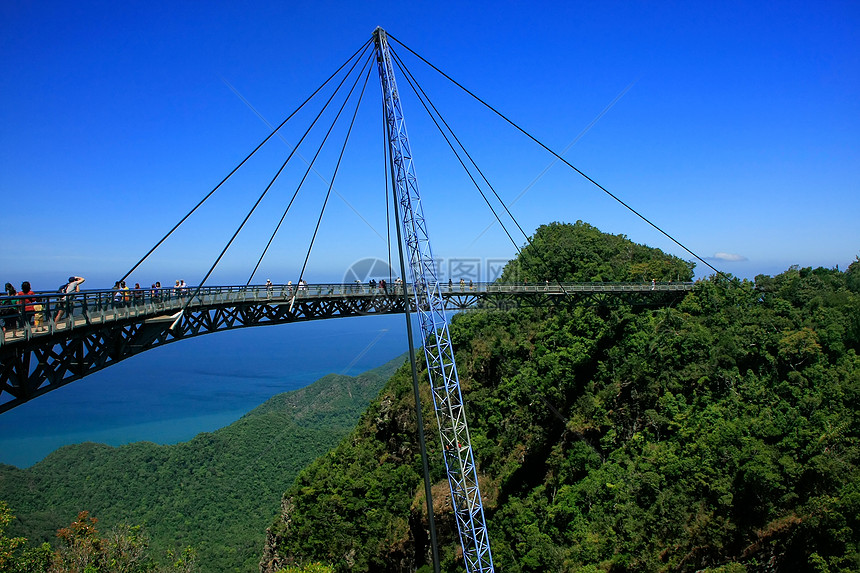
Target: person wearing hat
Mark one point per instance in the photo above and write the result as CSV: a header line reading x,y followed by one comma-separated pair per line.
x,y
65,302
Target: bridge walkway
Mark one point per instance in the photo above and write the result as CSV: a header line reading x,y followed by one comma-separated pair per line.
x,y
101,328
101,307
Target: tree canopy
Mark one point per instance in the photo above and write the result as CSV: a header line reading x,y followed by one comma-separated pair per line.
x,y
720,434
581,253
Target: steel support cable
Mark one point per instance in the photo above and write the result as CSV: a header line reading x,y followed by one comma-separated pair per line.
x,y
421,97
235,234
552,272
409,80
298,188
388,229
339,159
562,159
415,88
362,49
317,173
546,169
405,70
248,216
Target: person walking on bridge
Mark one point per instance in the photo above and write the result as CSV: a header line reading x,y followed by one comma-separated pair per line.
x,y
126,293
8,309
28,303
65,304
117,295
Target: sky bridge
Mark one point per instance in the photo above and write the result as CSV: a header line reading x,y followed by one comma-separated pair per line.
x,y
95,329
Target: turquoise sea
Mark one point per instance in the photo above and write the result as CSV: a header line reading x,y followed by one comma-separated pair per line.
x,y
170,394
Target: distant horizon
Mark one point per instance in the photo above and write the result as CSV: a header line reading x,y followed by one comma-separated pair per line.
x,y
741,269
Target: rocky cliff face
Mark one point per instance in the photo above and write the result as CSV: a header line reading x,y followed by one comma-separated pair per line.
x,y
272,560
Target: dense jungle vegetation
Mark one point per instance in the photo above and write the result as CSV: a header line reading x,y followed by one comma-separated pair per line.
x,y
718,434
201,505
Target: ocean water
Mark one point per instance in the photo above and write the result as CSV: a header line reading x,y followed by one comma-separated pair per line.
x,y
170,394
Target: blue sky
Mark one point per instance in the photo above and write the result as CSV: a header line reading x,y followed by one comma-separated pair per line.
x,y
738,130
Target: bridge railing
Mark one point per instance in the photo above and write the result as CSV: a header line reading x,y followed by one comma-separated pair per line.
x,y
562,288
47,312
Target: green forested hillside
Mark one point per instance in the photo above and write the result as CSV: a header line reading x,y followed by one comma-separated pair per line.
x,y
581,253
216,493
720,434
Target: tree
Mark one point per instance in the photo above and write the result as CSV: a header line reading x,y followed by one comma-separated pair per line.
x,y
83,550
852,276
124,550
310,568
580,252
15,555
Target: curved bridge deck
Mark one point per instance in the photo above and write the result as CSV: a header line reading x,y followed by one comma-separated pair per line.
x,y
99,328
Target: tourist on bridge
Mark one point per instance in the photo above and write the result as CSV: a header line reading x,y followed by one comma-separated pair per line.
x,y
126,293
138,294
65,304
8,312
117,295
29,303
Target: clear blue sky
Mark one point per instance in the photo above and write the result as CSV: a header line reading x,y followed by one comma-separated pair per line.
x,y
738,132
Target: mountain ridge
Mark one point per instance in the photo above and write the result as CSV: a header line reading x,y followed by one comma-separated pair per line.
x,y
215,492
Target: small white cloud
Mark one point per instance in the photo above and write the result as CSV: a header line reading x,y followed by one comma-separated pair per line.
x,y
729,257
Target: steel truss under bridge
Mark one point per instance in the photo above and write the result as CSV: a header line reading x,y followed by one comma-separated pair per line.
x,y
438,349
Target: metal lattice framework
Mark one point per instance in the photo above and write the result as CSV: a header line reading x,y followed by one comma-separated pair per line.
x,y
438,349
